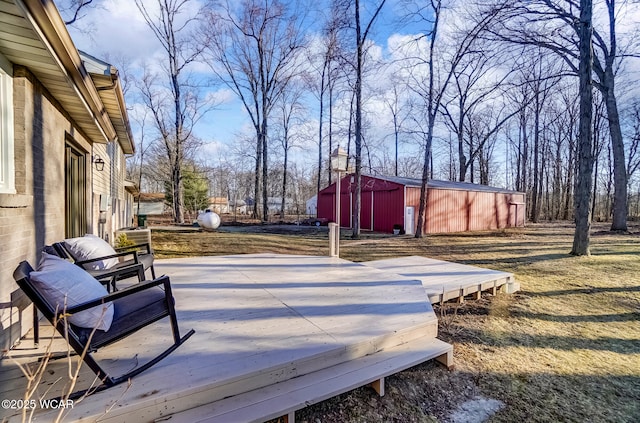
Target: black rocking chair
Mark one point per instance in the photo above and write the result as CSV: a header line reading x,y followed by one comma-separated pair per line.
x,y
134,308
140,254
108,277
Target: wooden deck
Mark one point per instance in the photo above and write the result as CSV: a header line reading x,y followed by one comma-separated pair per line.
x,y
444,281
273,333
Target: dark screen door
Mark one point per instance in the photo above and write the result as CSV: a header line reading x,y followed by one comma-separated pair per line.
x,y
75,193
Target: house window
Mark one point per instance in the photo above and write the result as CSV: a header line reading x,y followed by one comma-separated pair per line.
x,y
7,173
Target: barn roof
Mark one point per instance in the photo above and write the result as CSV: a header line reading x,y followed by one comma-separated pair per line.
x,y
434,183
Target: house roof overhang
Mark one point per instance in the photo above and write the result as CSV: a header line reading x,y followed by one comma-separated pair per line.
x,y
131,187
32,34
106,80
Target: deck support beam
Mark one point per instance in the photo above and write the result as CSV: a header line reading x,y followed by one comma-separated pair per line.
x,y
378,386
446,359
478,294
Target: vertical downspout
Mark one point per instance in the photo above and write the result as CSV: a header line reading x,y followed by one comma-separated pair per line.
x,y
91,227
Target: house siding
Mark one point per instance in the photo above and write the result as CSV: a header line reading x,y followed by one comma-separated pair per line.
x,y
101,195
35,215
108,192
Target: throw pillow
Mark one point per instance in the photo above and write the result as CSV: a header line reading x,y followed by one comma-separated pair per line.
x,y
56,279
90,247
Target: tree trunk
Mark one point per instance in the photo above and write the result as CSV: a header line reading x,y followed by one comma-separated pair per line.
x,y
284,172
525,156
395,131
582,200
619,222
258,167
471,162
432,110
594,200
569,181
421,228
177,195
319,184
462,159
360,40
358,129
535,207
265,188
330,128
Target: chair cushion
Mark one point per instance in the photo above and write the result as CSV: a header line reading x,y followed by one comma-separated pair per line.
x,y
131,313
90,247
57,279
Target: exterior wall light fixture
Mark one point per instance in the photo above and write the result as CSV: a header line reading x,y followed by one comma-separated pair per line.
x,y
98,162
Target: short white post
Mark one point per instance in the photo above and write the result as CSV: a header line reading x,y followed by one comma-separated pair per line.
x,y
334,239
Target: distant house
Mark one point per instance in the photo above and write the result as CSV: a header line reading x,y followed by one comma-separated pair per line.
x,y
312,205
219,205
152,204
275,204
388,202
132,193
64,134
238,206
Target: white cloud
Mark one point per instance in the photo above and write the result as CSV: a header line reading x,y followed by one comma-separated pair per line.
x,y
116,27
221,97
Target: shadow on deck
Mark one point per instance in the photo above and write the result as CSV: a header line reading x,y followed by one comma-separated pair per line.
x,y
274,333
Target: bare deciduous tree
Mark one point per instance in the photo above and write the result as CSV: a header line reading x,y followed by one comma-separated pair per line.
x,y
477,90
633,158
361,39
555,25
430,84
290,107
327,68
254,49
71,10
397,105
174,121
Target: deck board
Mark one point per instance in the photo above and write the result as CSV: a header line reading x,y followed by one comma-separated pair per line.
x,y
260,319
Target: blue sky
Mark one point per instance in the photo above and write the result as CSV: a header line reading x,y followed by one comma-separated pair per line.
x,y
115,31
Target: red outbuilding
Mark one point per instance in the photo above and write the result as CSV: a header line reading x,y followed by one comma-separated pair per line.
x,y
390,202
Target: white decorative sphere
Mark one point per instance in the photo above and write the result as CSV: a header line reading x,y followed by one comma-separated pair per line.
x,y
208,220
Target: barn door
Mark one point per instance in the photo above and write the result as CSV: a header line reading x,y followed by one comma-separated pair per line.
x,y
366,211
75,193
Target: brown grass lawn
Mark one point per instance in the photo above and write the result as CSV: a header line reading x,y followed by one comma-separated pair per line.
x,y
564,349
